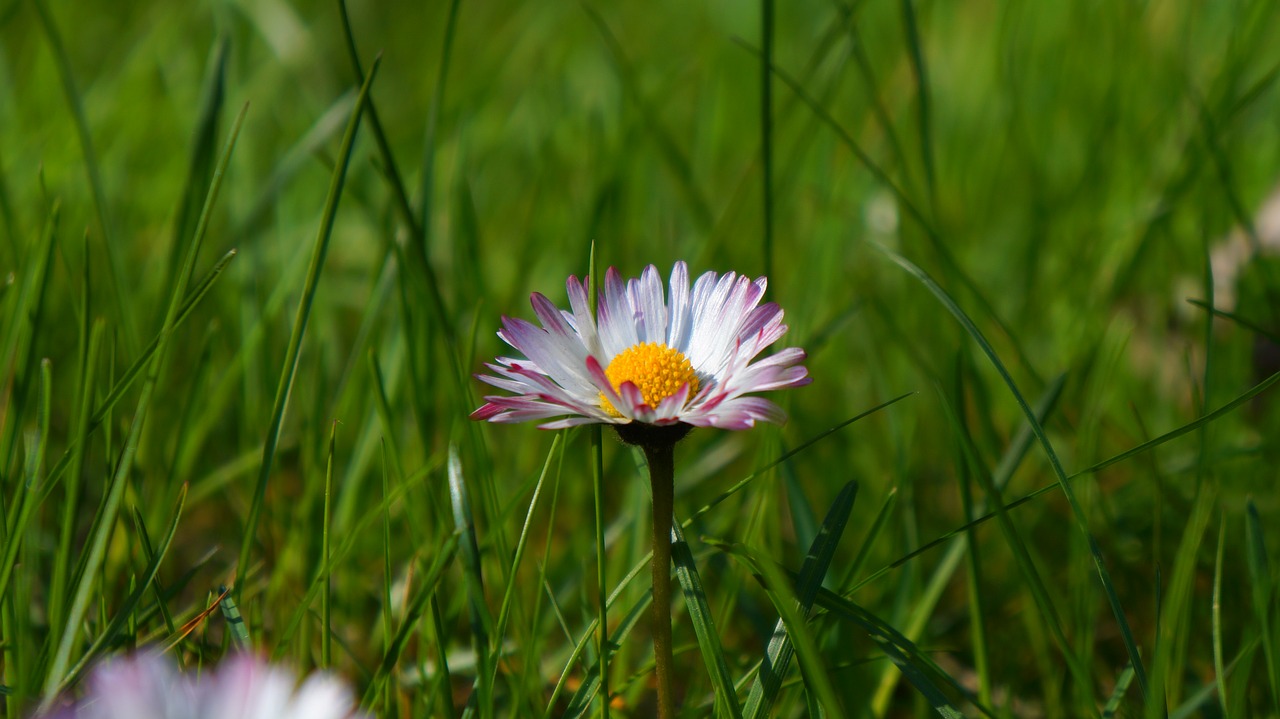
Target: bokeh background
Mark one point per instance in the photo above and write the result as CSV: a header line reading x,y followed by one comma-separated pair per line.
x,y
1066,172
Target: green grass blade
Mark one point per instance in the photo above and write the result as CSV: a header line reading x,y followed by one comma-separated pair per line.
x,y
1219,670
499,632
1262,584
580,703
766,129
26,499
86,388
135,370
443,556
105,520
695,599
668,148
349,541
792,636
326,595
901,651
289,370
764,692
1082,524
126,608
1117,695
924,126
477,609
73,95
1174,626
204,154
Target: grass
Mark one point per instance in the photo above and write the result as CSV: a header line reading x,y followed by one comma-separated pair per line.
x,y
250,255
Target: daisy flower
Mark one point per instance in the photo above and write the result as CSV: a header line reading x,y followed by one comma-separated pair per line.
x,y
680,358
147,686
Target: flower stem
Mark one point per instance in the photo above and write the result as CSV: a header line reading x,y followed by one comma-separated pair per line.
x,y
661,476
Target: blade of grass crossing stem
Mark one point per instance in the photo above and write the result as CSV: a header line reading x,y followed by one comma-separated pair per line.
x,y
1082,523
477,610
27,492
904,653
777,659
287,372
643,561
1174,628
1261,582
504,611
792,635
704,627
135,370
125,611
104,521
415,608
760,471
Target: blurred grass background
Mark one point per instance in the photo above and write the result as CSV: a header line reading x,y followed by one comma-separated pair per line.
x,y
1062,170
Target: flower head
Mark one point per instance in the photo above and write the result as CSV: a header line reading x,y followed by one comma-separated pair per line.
x,y
244,687
685,358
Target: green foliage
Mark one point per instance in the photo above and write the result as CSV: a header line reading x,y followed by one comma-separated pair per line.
x,y
225,227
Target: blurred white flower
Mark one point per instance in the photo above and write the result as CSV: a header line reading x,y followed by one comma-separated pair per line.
x,y
148,686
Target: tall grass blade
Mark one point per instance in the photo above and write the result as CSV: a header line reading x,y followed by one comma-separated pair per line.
x,y
792,636
72,92
1082,524
904,654
704,627
443,556
135,370
477,610
204,154
1262,584
28,492
290,368
104,521
773,669
504,612
1117,695
125,611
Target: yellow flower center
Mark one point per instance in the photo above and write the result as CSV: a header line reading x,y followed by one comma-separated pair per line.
x,y
656,369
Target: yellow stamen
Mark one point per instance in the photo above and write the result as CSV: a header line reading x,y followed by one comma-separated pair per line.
x,y
656,369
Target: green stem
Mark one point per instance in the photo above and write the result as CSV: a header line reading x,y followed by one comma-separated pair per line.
x,y
661,476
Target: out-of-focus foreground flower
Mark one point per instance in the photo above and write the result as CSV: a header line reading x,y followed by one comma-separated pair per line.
x,y
148,686
686,358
